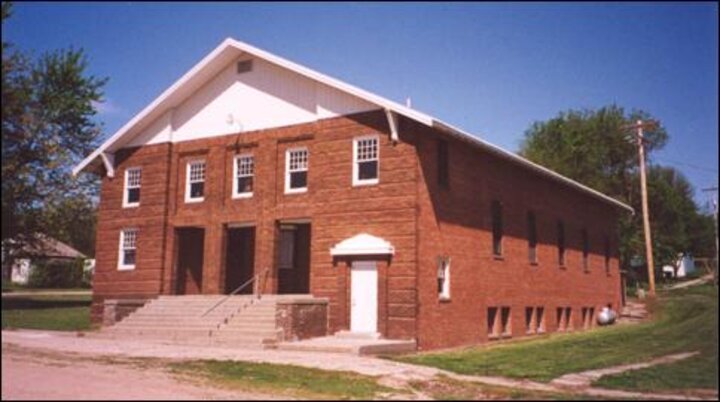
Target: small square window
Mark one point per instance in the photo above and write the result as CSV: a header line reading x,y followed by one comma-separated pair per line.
x,y
296,170
195,190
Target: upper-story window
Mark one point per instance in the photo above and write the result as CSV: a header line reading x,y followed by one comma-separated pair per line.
x,y
131,196
366,158
532,237
443,277
296,169
443,168
195,189
585,249
128,249
561,243
243,172
497,227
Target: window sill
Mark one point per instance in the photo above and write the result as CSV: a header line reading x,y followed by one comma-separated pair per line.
x,y
365,183
241,196
194,200
125,267
444,299
563,267
498,257
296,191
134,205
534,263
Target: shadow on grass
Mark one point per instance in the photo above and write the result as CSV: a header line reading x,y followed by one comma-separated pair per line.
x,y
21,303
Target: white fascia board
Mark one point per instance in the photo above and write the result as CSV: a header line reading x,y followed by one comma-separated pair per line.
x,y
152,106
519,159
244,47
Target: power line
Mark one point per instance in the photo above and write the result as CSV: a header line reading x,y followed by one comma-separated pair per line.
x,y
687,164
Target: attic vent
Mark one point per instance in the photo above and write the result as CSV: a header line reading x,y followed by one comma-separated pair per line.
x,y
244,66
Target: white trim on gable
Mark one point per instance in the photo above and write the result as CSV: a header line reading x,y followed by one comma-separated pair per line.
x,y
230,49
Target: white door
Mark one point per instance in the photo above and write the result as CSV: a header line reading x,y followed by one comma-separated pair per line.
x,y
363,297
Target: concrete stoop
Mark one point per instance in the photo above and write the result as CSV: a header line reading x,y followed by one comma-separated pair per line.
x,y
348,343
632,312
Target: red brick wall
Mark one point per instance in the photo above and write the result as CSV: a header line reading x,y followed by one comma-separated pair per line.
x,y
457,222
407,208
335,209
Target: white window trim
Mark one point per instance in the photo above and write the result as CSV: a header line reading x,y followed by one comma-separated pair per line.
x,y
127,204
235,193
289,190
356,181
121,265
189,199
445,293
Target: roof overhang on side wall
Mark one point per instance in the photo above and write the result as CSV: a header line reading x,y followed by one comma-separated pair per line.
x,y
230,49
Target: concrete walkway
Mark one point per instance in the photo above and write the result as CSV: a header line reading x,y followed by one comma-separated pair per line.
x,y
25,293
391,373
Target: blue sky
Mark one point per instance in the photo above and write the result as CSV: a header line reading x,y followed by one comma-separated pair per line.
x,y
489,68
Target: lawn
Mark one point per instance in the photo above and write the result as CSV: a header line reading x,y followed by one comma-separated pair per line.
x,y
57,312
685,320
286,380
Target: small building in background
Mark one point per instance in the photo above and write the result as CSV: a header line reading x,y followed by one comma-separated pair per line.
x,y
44,249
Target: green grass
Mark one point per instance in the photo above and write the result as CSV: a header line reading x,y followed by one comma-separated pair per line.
x,y
699,372
286,380
60,313
685,320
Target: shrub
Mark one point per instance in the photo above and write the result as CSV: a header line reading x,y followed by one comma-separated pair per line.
x,y
56,274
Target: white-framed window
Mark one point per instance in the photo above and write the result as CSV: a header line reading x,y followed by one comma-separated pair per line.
x,y
128,249
195,181
296,170
443,274
243,176
131,195
366,160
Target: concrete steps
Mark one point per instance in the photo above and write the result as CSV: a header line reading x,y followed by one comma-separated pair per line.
x,y
239,321
632,312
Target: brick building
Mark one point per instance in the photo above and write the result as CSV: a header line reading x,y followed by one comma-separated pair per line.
x,y
409,227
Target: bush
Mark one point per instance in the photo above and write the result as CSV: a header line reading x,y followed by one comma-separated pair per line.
x,y
57,274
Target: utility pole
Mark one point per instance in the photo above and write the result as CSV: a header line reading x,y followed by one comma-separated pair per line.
x,y
639,125
715,212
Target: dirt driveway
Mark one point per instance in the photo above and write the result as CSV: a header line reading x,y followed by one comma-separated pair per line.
x,y
32,374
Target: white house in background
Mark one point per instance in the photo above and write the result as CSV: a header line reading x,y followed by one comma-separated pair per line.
x,y
46,249
685,265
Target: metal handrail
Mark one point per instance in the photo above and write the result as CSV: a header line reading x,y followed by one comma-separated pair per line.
x,y
256,291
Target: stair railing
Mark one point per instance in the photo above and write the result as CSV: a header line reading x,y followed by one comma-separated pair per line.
x,y
257,290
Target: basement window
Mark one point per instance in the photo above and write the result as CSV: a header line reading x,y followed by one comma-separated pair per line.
x,y
568,319
559,319
131,196
244,173
506,326
492,324
366,158
128,249
296,170
195,188
539,320
529,321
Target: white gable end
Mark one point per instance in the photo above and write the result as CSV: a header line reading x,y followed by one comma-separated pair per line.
x,y
268,96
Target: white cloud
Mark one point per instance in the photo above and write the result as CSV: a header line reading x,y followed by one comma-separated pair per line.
x,y
106,107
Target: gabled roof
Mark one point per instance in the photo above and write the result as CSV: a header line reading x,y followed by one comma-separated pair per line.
x,y
231,48
45,246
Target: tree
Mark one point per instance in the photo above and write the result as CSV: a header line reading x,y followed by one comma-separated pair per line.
x,y
593,148
47,126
